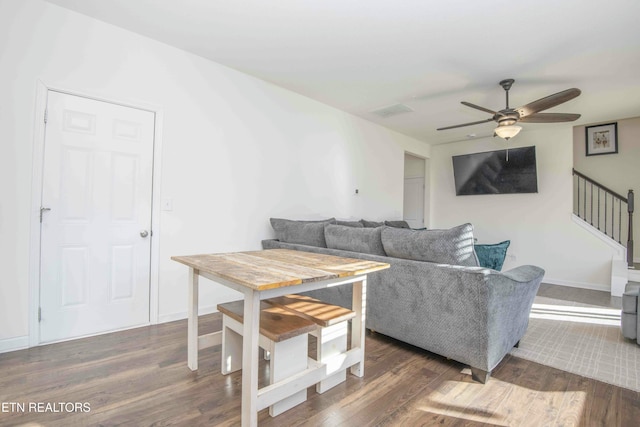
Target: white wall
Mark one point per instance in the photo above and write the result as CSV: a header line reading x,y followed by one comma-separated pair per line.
x,y
539,225
236,150
414,167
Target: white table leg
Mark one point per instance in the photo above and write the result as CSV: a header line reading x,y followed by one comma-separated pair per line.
x,y
359,305
250,335
192,322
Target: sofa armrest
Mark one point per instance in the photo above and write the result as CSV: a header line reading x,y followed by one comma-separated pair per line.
x,y
509,300
471,314
524,273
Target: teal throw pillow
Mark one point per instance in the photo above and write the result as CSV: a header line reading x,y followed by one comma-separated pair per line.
x,y
492,256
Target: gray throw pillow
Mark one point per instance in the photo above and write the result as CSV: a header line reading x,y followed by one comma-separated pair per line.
x,y
397,224
453,246
310,233
357,224
371,224
361,240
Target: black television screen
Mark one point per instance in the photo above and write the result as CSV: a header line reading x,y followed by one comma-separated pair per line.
x,y
495,172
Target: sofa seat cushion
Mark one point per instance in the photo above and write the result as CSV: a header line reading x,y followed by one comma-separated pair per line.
x,y
362,240
310,233
453,246
492,256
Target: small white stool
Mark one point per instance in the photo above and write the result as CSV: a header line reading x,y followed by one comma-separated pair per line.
x,y
283,334
330,332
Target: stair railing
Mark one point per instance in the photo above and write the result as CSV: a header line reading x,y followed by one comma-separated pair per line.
x,y
603,208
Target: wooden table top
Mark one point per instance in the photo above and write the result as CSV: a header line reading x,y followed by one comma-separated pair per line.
x,y
276,268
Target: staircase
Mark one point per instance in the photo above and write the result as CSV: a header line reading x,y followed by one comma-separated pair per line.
x,y
611,214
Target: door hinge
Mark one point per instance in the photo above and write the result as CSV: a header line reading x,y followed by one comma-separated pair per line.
x,y
39,314
42,211
46,115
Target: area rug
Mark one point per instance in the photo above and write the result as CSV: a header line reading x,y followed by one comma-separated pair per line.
x,y
582,339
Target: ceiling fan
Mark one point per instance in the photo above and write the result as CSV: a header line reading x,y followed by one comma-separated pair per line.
x,y
530,113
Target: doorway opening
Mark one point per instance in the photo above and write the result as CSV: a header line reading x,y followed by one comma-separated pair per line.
x,y
415,209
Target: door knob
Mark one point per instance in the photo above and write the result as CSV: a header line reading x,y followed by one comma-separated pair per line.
x,y
144,233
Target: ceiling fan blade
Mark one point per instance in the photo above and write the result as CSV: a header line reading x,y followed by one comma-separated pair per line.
x,y
550,118
466,124
477,107
548,102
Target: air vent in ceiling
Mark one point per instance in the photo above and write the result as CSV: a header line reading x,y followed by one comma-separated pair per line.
x,y
392,110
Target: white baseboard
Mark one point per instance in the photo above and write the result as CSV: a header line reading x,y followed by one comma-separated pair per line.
x,y
20,343
582,285
171,317
12,344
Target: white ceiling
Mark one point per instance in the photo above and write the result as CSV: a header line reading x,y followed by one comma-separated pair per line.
x,y
361,55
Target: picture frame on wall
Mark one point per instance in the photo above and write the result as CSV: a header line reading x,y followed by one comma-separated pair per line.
x,y
602,139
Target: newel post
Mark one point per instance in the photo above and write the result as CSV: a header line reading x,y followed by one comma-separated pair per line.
x,y
630,236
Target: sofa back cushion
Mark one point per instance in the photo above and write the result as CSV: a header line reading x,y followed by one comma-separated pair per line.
x,y
310,233
357,224
398,224
371,224
453,246
362,240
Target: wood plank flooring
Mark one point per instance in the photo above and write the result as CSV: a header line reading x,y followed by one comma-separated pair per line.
x,y
584,296
140,378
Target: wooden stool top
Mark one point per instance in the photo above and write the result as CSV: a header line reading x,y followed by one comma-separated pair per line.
x,y
277,324
319,312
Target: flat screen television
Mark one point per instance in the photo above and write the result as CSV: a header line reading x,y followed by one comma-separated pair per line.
x,y
494,172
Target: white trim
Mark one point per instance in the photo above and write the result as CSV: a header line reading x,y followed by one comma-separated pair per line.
x,y
42,89
620,250
95,334
171,317
36,200
619,277
582,285
156,211
13,344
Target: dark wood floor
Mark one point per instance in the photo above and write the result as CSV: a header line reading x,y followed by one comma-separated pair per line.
x,y
584,296
140,378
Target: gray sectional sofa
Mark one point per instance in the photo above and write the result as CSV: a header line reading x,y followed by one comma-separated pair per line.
x,y
630,321
434,296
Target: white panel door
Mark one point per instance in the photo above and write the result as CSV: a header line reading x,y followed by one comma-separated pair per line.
x,y
96,217
414,202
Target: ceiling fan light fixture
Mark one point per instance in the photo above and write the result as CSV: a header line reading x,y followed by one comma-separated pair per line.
x,y
506,132
507,121
531,112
